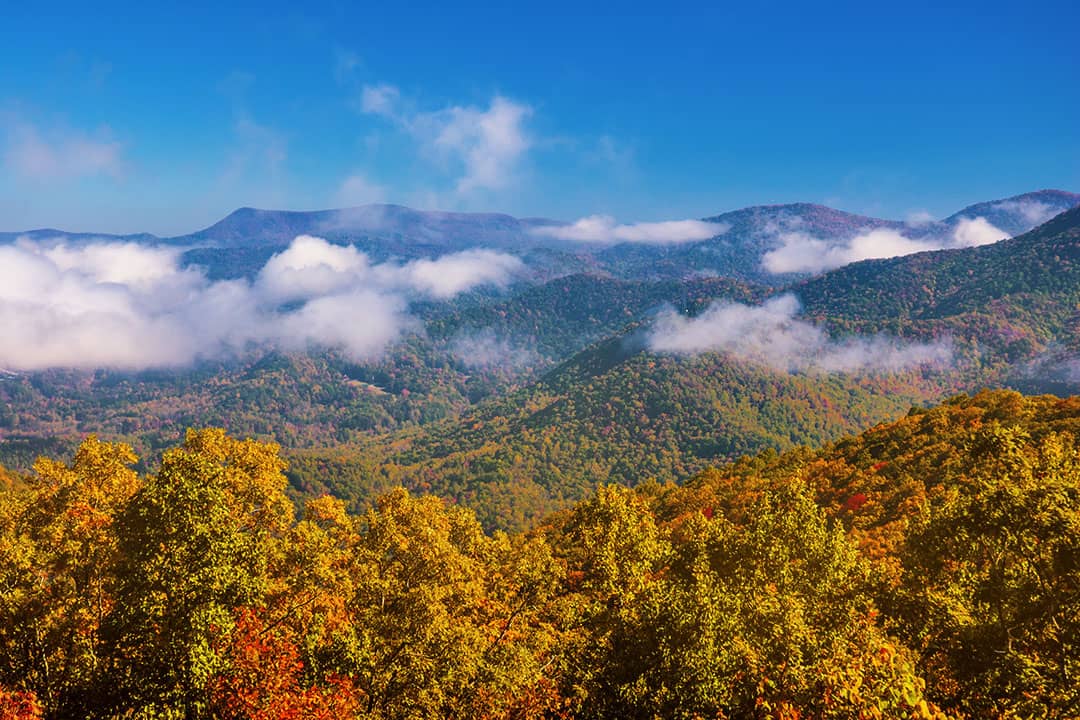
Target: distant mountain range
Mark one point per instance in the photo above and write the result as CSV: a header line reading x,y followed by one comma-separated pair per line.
x,y
242,241
518,401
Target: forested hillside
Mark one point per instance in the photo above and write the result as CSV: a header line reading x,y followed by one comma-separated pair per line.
x,y
619,410
1038,269
928,568
520,402
609,415
477,348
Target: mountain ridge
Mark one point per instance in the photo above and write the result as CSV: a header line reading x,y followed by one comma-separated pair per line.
x,y
236,224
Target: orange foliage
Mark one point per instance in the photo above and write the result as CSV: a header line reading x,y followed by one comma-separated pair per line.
x,y
263,679
19,705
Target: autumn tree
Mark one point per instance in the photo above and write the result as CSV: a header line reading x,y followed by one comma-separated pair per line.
x,y
991,593
59,559
196,541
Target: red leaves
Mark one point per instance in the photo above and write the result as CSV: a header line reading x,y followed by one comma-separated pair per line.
x,y
855,502
263,680
19,705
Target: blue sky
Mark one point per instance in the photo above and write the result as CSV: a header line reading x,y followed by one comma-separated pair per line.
x,y
122,117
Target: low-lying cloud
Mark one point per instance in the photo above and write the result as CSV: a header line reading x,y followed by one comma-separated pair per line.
x,y
772,335
449,275
129,306
604,229
801,252
1035,212
972,232
483,349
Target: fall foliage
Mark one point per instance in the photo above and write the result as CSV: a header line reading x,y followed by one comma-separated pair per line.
x,y
928,568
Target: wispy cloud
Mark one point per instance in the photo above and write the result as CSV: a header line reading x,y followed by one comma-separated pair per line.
x,y
482,146
259,150
1034,212
772,335
37,154
485,349
972,232
382,100
802,252
132,306
345,64
357,189
489,143
605,229
919,218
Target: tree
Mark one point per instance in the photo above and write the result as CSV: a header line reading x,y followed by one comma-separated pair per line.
x,y
261,678
58,564
769,619
991,592
428,618
196,542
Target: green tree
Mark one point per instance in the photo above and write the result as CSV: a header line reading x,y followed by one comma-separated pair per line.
x,y
196,542
992,580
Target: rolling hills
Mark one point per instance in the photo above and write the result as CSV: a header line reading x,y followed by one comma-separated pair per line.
x,y
618,411
520,400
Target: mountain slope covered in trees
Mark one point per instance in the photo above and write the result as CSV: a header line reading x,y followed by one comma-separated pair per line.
x,y
619,410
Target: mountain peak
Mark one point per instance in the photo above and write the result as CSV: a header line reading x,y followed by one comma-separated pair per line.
x,y
1020,213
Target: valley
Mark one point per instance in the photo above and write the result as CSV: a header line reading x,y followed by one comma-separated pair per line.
x,y
520,401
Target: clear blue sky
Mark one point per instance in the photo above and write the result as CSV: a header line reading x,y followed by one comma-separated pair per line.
x,y
131,116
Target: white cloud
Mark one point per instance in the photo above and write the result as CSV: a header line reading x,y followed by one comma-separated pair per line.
x,y
483,146
801,252
488,142
112,262
1034,212
357,189
55,313
362,322
771,334
380,100
64,154
131,306
971,232
604,229
451,274
311,266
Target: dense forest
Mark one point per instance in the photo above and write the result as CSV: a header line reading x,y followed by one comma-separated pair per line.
x,y
927,568
607,418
